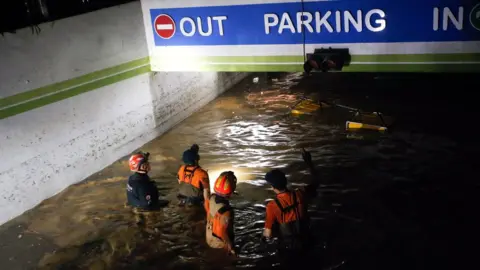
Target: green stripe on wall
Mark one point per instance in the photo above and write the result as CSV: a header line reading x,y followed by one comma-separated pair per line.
x,y
52,93
254,68
450,68
72,92
355,58
72,82
459,57
352,68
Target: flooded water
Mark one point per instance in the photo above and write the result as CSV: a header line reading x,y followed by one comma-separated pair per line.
x,y
404,200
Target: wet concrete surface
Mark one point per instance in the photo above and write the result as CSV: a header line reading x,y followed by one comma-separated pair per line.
x,y
401,200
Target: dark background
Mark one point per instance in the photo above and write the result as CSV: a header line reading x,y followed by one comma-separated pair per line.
x,y
16,14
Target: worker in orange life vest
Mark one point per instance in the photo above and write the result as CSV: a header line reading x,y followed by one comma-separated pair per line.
x,y
288,211
193,180
220,215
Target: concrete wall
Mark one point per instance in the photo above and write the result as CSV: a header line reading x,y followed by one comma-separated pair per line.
x,y
80,95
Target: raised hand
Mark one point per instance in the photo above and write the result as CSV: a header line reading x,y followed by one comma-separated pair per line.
x,y
307,157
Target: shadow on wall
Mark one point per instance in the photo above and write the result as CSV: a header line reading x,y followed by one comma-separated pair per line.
x,y
176,95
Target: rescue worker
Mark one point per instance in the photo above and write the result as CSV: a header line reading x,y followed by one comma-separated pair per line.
x,y
142,192
287,213
193,180
220,215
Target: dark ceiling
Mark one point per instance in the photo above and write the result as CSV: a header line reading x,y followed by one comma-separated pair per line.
x,y
16,14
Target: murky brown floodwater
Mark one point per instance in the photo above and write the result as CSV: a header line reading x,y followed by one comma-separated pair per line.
x,y
373,213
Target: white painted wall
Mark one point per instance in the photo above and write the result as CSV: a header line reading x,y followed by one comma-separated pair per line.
x,y
49,148
71,47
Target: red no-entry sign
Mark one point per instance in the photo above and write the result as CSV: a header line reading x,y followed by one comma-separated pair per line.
x,y
164,26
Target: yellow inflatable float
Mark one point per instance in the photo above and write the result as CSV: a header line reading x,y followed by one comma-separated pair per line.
x,y
361,120
356,125
308,106
372,121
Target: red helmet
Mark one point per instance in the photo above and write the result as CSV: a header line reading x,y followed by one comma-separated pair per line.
x,y
225,184
139,162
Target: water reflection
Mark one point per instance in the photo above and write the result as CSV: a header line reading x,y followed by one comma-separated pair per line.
x,y
248,130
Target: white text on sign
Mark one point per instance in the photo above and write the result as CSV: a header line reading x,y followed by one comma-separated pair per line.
x,y
373,20
447,16
189,26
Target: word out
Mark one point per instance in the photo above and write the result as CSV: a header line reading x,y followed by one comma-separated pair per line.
x,y
189,26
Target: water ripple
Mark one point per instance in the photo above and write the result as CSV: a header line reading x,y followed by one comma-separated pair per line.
x,y
249,133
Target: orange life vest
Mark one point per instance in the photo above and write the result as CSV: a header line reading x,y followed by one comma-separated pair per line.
x,y
190,178
214,216
294,223
186,175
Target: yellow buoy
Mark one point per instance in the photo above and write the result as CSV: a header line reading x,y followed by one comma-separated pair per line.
x,y
308,106
356,125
